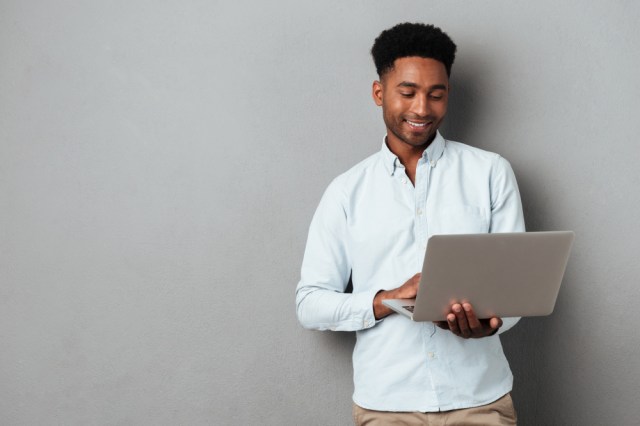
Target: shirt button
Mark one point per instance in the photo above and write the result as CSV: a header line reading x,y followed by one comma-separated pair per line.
x,y
419,212
366,323
404,181
431,355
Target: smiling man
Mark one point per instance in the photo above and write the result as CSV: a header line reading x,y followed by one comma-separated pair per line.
x,y
372,227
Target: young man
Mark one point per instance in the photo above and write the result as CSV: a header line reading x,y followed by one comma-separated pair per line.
x,y
372,225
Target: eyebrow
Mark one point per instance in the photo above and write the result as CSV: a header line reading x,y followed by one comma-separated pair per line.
x,y
415,86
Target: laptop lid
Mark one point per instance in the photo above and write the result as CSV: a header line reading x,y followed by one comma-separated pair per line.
x,y
503,274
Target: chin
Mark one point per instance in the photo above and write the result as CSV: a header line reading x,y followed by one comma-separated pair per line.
x,y
419,142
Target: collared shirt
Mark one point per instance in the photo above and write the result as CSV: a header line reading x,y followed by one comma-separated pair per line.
x,y
372,225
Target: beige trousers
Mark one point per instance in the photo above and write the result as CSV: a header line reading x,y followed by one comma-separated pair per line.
x,y
500,412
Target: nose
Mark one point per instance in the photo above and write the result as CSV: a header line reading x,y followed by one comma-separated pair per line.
x,y
420,106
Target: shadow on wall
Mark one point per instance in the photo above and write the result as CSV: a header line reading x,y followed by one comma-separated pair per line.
x,y
522,344
465,104
531,350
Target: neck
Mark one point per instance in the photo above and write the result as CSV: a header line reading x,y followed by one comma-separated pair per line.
x,y
408,154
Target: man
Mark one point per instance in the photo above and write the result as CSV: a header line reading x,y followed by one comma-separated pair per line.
x,y
372,226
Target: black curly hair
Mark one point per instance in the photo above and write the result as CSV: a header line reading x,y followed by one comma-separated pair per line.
x,y
412,39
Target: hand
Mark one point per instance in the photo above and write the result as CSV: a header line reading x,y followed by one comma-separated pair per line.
x,y
408,290
462,322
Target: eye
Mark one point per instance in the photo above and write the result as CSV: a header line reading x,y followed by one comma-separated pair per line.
x,y
406,95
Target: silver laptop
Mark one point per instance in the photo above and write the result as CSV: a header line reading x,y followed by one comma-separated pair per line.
x,y
505,275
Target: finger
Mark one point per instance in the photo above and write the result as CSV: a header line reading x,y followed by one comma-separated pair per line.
x,y
452,324
477,330
461,319
409,289
495,323
413,281
416,278
442,324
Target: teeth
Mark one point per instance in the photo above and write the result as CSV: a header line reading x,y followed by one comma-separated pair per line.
x,y
416,124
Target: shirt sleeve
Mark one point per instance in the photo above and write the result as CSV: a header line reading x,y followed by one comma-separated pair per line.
x,y
321,301
506,210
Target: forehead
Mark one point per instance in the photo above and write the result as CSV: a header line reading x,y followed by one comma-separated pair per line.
x,y
421,71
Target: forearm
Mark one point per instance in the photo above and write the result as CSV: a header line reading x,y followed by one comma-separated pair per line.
x,y
379,310
323,309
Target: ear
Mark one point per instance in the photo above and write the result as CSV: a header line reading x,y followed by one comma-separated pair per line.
x,y
376,92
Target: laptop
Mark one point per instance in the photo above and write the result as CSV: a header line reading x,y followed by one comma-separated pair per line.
x,y
503,274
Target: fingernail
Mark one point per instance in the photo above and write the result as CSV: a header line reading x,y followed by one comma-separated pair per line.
x,y
456,308
466,307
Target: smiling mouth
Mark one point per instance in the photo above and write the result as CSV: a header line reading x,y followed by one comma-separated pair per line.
x,y
417,124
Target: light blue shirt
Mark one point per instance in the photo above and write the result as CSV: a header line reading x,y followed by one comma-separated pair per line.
x,y
372,224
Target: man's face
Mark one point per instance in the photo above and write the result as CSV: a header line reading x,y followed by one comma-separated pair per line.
x,y
413,96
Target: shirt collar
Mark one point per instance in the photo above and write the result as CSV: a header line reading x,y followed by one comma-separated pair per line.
x,y
432,154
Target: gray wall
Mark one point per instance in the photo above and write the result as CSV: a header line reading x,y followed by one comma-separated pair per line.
x,y
160,163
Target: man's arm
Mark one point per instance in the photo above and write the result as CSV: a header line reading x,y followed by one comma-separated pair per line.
x,y
321,303
506,216
506,210
506,207
408,290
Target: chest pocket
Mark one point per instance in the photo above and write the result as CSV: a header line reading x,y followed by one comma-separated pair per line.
x,y
458,219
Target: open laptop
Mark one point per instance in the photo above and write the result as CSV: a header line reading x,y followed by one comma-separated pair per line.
x,y
504,274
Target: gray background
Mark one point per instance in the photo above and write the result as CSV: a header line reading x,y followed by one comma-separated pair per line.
x,y
160,163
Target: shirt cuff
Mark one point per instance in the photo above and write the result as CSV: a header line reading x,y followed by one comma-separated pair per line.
x,y
363,302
